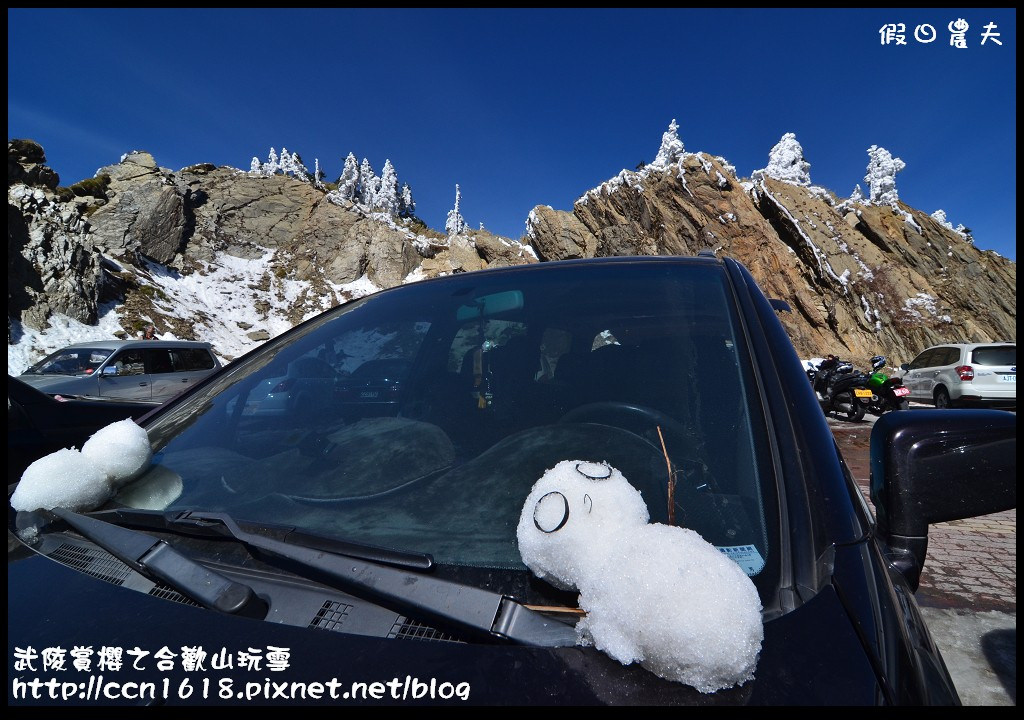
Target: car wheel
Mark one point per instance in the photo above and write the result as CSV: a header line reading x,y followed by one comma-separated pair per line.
x,y
942,399
848,407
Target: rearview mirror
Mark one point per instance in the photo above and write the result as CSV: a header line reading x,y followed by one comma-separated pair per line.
x,y
932,466
487,305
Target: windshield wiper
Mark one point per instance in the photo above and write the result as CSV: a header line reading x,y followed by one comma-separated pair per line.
x,y
481,612
154,558
289,534
380,574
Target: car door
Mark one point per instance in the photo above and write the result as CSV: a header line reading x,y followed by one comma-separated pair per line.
x,y
914,376
166,382
130,380
940,372
191,365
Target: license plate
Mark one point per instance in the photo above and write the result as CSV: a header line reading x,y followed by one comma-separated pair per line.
x,y
900,391
1008,378
862,393
369,394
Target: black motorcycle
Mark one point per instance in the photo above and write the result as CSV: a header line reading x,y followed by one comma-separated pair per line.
x,y
841,389
888,393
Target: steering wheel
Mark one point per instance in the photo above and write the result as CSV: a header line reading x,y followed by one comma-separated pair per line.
x,y
640,420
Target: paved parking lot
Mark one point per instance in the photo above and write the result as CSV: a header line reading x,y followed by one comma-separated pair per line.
x,y
968,591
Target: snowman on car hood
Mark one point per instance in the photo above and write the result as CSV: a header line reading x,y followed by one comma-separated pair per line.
x,y
654,594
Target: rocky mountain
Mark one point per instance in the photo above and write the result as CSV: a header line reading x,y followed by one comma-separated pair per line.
x,y
236,257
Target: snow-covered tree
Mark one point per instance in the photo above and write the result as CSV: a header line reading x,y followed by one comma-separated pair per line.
x,y
318,174
939,216
407,206
786,162
272,165
455,224
256,167
671,147
368,184
387,195
881,176
292,163
857,195
348,183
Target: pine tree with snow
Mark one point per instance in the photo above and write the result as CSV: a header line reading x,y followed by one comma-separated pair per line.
x,y
857,195
881,176
271,166
387,195
407,206
318,174
255,167
368,183
455,224
348,183
671,147
786,162
299,168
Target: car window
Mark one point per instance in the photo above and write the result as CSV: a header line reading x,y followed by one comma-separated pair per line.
x,y
188,359
995,355
502,379
159,361
70,361
949,356
129,362
925,359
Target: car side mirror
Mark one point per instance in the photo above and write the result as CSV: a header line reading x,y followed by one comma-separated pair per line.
x,y
110,371
932,466
905,366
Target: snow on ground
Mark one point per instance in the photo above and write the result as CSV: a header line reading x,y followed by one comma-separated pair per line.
x,y
226,295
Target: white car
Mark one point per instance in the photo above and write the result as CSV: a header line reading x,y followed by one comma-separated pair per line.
x,y
964,374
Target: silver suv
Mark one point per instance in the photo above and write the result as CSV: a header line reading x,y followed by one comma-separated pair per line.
x,y
150,370
964,374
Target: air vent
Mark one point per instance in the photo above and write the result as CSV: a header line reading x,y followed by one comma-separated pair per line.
x,y
406,629
92,561
330,616
167,593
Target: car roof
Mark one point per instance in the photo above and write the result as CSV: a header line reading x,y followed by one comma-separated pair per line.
x,y
120,344
972,345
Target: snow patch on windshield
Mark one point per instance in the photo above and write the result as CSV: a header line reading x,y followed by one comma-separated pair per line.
x,y
654,594
75,480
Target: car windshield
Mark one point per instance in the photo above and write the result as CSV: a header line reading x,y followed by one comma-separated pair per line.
x,y
995,355
71,361
502,376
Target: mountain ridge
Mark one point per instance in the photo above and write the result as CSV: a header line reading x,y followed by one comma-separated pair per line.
x,y
237,257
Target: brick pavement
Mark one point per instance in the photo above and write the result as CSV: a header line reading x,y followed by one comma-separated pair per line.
x,y
971,564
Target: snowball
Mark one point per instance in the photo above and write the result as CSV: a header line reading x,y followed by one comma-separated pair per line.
x,y
121,450
84,480
654,594
65,478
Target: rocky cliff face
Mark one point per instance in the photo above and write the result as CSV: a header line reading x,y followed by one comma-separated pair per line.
x,y
861,279
71,249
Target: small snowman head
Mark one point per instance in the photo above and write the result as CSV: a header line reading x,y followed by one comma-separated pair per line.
x,y
574,510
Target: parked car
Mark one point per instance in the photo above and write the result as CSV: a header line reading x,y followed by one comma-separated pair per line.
x,y
154,370
964,374
38,424
321,558
374,387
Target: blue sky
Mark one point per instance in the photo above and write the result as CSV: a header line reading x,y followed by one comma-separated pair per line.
x,y
528,107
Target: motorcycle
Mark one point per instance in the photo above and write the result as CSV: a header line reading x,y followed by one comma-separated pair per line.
x,y
840,388
888,393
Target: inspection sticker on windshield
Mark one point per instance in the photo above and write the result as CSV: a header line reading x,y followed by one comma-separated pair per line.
x,y
746,556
